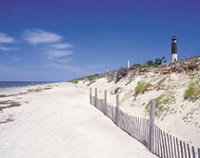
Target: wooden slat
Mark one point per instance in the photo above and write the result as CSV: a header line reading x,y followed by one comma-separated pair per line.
x,y
140,130
159,143
151,127
188,149
136,123
175,151
193,152
163,145
181,146
171,144
165,142
147,131
177,144
168,145
90,95
133,126
185,151
155,140
105,98
136,128
143,131
95,103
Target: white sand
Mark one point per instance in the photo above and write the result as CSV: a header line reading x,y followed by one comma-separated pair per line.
x,y
60,123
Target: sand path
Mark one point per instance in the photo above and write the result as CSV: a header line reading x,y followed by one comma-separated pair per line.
x,y
60,123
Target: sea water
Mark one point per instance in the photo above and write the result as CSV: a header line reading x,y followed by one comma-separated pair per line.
x,y
7,87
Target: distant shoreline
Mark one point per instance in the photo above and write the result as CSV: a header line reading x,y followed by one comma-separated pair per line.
x,y
16,84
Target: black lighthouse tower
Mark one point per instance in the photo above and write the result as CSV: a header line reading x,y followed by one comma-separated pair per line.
x,y
174,49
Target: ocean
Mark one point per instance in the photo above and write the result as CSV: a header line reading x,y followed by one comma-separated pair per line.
x,y
8,84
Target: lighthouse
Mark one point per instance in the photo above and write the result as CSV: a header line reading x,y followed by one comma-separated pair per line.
x,y
174,49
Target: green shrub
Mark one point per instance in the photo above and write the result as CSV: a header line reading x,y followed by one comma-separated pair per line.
x,y
135,66
116,90
142,87
122,72
92,77
74,81
156,62
193,91
111,79
90,83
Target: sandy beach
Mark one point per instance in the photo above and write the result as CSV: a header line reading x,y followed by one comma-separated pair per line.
x,y
56,120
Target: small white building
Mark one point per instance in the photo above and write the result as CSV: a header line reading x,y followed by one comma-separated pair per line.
x,y
129,65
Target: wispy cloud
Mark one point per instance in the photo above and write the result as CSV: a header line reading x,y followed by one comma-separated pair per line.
x,y
56,49
70,68
16,59
7,49
4,38
62,60
37,36
99,66
58,53
61,46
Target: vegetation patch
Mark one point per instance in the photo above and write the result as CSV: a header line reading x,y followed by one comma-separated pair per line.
x,y
155,63
130,79
162,104
190,115
111,79
193,90
9,104
10,119
74,81
160,84
92,77
90,83
117,90
142,87
122,72
126,97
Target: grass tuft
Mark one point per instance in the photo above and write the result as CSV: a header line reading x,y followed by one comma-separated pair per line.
x,y
116,90
193,90
142,87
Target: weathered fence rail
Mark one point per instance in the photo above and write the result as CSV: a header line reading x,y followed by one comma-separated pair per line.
x,y
159,142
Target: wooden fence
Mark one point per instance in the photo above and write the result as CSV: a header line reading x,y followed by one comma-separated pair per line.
x,y
159,142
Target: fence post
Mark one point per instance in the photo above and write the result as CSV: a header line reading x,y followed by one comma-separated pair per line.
x,y
90,95
151,127
105,101
117,110
95,102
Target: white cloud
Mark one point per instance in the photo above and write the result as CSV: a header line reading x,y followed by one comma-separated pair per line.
x,y
16,59
36,36
99,66
66,60
7,49
61,46
70,68
58,53
4,38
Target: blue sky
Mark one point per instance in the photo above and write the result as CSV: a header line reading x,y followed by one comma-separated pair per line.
x,y
58,40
